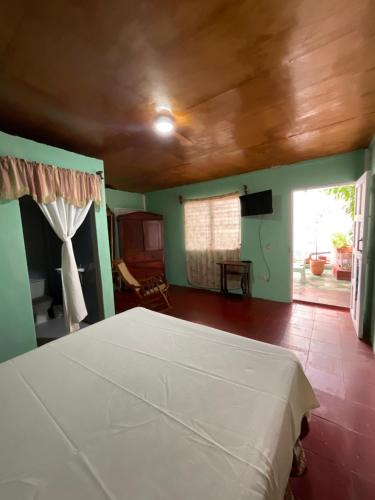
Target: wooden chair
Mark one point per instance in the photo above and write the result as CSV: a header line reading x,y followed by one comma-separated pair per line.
x,y
152,292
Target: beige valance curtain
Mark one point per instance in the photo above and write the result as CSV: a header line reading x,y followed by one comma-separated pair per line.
x,y
46,183
64,196
212,234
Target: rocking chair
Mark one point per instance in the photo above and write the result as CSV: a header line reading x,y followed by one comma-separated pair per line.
x,y
152,292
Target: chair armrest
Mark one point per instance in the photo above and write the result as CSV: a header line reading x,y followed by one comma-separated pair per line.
x,y
152,284
157,278
147,281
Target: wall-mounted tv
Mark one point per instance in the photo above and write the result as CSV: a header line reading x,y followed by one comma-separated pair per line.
x,y
256,203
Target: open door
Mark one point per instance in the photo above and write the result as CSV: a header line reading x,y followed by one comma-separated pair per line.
x,y
359,262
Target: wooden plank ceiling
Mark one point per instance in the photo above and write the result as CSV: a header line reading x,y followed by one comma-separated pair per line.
x,y
253,84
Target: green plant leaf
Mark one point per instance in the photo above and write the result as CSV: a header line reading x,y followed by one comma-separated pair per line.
x,y
345,194
340,240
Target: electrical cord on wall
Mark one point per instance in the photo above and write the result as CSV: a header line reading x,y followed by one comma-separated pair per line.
x,y
268,277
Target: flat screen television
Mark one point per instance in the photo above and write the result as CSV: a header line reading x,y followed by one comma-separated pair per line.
x,y
256,203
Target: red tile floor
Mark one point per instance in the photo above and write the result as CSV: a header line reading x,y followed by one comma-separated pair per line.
x,y
340,447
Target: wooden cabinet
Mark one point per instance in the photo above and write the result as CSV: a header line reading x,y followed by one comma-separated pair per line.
x,y
142,243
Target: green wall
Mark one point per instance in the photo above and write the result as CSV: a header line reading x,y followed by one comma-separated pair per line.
x,y
17,333
124,199
277,228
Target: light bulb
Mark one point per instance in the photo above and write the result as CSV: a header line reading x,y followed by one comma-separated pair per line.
x,y
164,124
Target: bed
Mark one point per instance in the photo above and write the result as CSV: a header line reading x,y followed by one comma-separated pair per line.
x,y
144,406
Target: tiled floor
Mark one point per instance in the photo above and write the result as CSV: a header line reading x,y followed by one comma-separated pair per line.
x,y
52,330
324,289
341,445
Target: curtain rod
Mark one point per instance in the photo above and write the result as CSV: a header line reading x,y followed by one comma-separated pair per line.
x,y
181,199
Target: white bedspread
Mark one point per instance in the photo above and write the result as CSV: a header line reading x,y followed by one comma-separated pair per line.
x,y
143,406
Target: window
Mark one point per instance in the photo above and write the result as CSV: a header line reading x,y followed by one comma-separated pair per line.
x,y
212,233
213,223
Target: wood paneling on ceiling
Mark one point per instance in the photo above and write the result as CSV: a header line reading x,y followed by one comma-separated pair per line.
x,y
252,84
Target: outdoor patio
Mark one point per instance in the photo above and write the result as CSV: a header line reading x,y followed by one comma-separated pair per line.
x,y
324,289
322,242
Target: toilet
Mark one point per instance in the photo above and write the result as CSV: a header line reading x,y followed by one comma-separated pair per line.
x,y
41,302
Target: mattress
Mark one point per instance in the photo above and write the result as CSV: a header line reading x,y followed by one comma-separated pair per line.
x,y
143,406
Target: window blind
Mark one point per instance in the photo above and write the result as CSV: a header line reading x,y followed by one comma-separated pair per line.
x,y
212,233
213,223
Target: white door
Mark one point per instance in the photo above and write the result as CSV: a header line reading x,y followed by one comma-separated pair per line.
x,y
359,262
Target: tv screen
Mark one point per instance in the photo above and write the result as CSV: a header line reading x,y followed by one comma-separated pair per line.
x,y
256,203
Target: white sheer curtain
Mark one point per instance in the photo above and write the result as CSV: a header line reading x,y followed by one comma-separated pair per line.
x,y
65,219
212,233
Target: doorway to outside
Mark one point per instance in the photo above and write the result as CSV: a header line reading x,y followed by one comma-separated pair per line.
x,y
322,245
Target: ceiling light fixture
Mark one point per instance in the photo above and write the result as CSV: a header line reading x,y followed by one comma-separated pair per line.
x,y
164,123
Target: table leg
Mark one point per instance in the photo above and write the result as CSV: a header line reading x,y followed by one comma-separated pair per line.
x,y
225,279
248,282
221,279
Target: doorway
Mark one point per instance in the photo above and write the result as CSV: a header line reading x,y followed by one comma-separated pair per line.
x,y
322,245
43,255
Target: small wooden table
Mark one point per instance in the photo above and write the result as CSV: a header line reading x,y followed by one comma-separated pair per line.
x,y
235,268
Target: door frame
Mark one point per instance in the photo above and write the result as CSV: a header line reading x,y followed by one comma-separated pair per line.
x,y
291,218
358,321
95,250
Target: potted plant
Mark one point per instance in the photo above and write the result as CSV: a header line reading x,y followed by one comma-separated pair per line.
x,y
317,264
342,244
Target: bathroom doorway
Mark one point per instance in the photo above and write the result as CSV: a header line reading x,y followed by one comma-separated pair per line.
x,y
43,254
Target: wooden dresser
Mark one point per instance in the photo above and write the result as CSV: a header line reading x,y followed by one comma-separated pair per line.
x,y
141,238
